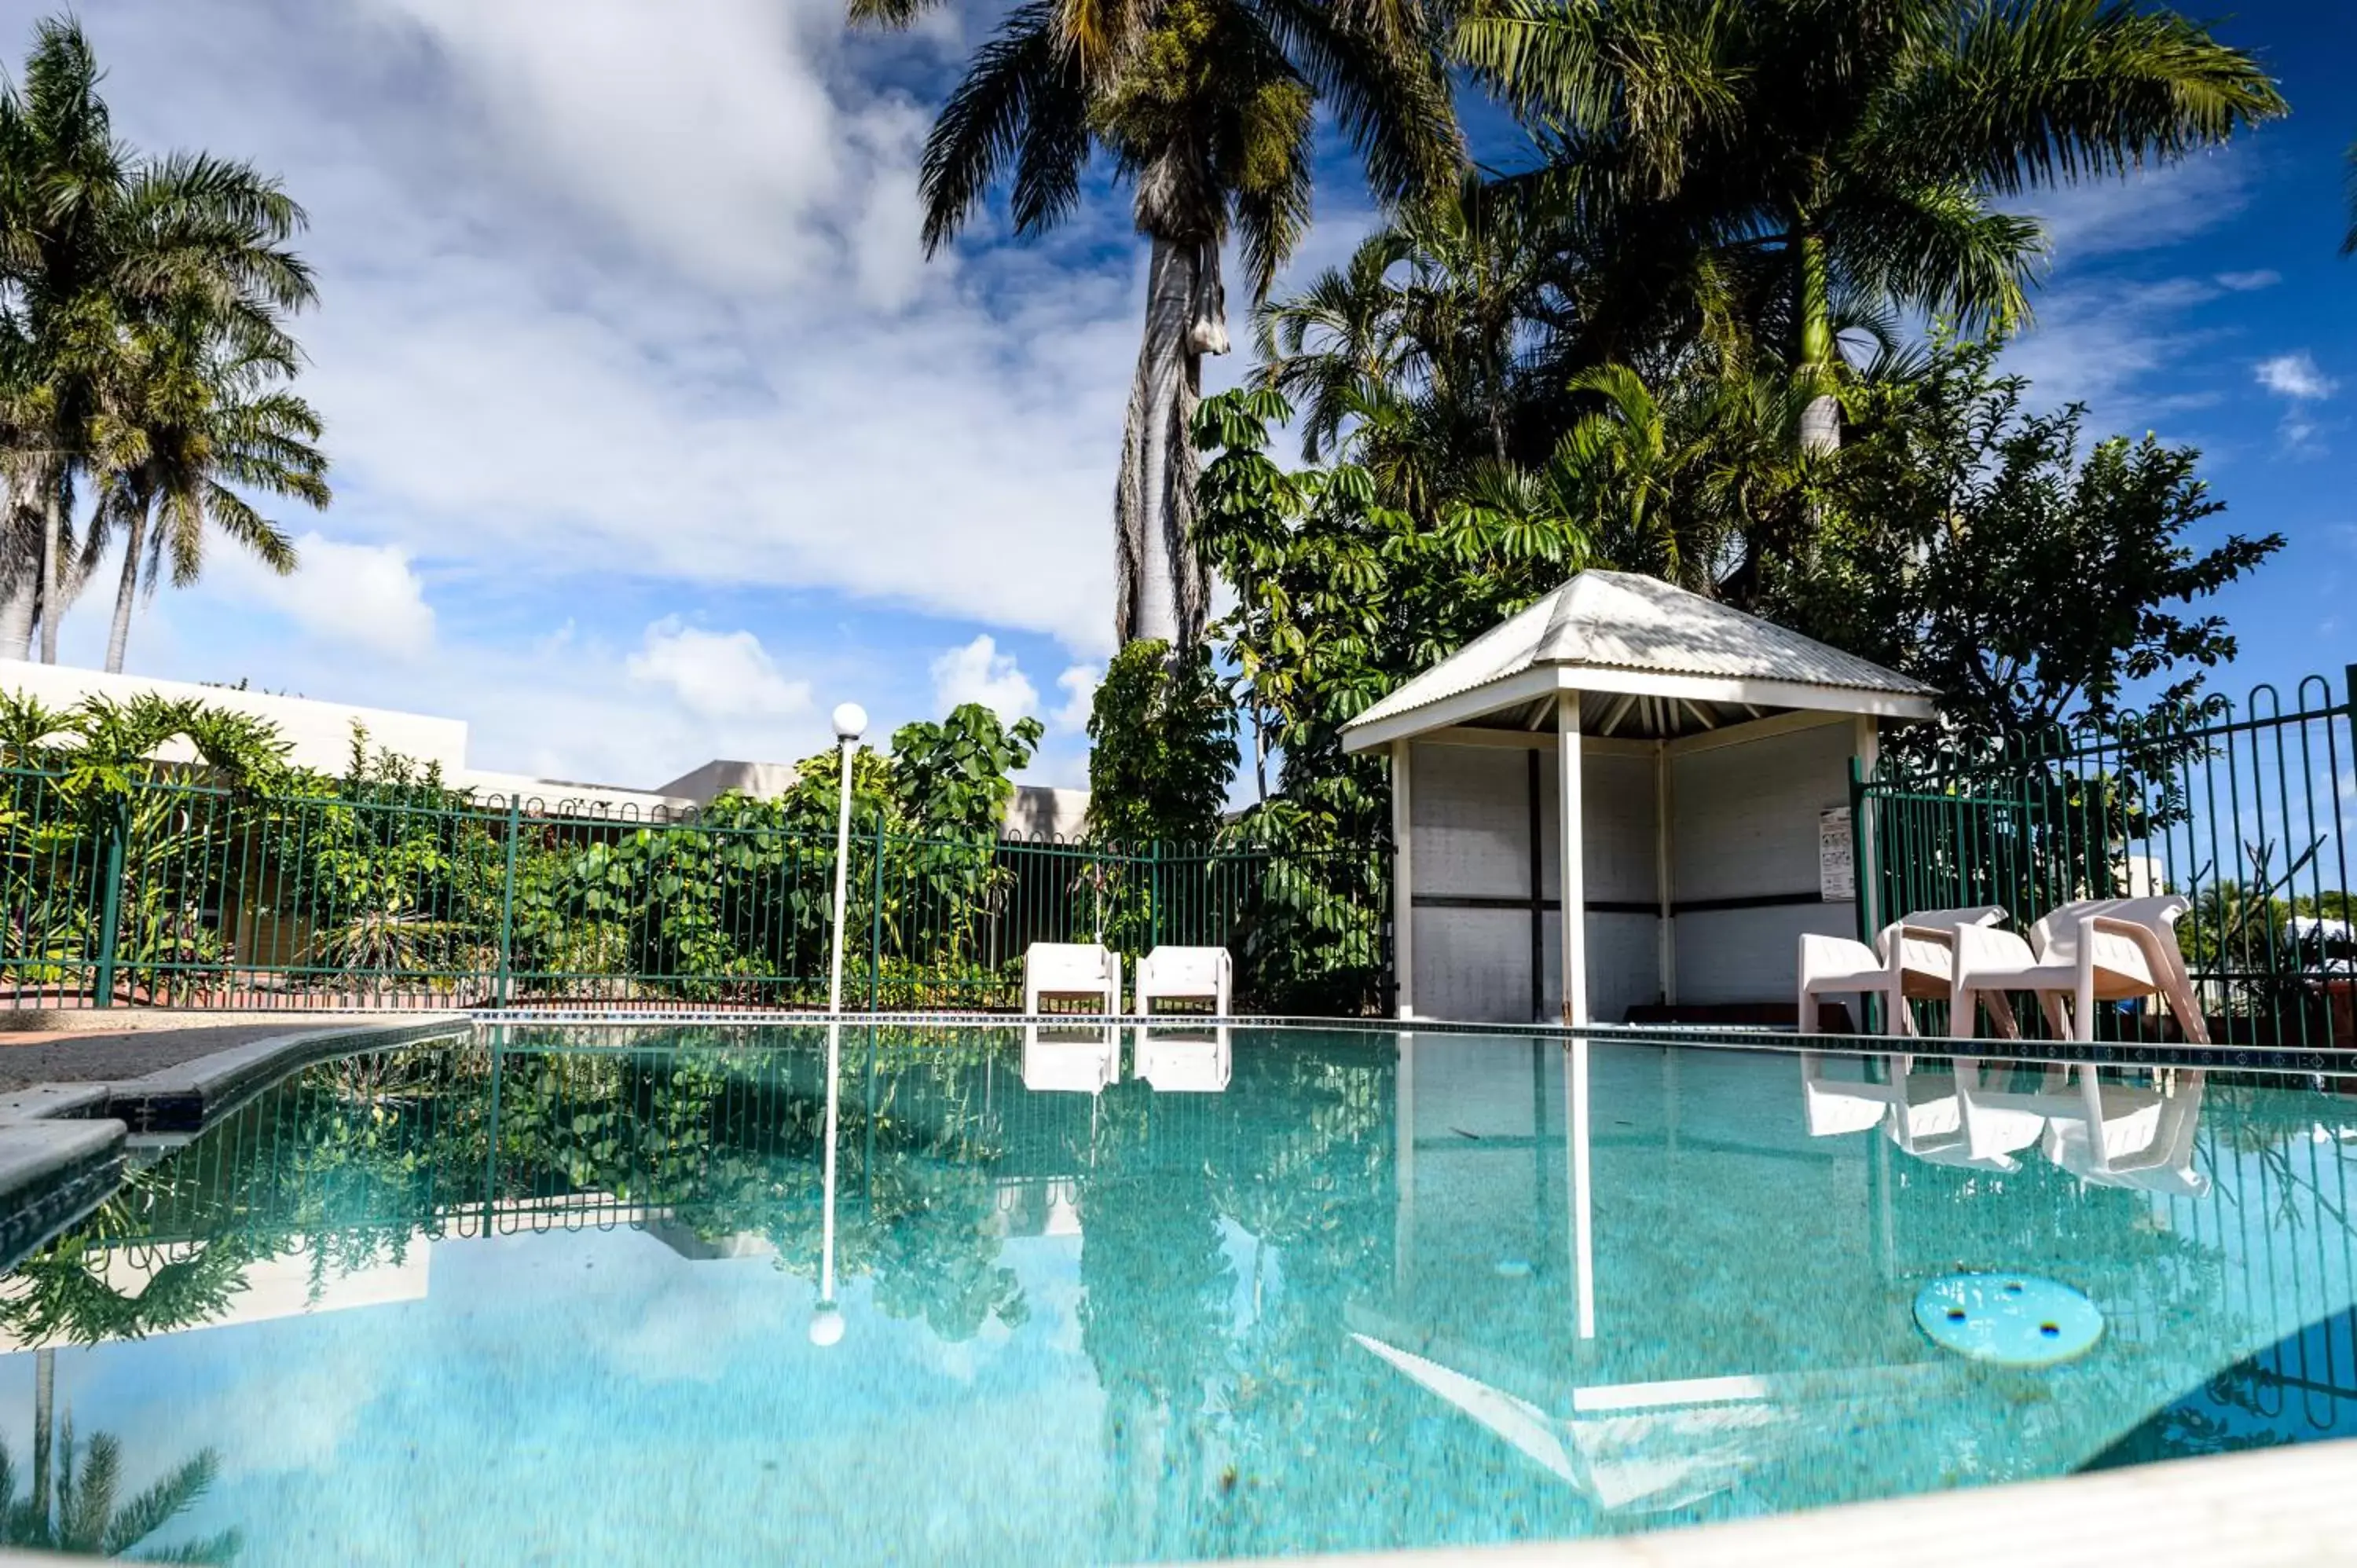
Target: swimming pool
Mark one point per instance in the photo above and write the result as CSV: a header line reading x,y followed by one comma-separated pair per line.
x,y
548,1296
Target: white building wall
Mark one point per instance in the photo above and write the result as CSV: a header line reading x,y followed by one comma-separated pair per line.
x,y
320,732
1472,840
1745,828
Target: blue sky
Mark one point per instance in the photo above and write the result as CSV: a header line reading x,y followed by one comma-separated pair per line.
x,y
656,436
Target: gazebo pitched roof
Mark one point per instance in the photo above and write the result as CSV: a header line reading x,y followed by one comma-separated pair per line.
x,y
1615,632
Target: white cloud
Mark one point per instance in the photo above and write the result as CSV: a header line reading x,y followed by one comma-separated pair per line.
x,y
2295,376
358,595
978,672
1079,686
2246,282
646,300
716,674
2093,342
2153,208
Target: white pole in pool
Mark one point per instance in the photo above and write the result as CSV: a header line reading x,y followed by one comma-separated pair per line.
x,y
826,1321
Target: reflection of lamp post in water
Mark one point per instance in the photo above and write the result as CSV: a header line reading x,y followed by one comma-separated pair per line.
x,y
826,1319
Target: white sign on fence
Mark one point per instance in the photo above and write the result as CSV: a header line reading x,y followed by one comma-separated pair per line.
x,y
1836,857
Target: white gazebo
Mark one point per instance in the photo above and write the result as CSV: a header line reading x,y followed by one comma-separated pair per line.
x,y
1705,826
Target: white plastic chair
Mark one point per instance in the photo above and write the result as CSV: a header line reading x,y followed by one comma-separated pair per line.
x,y
2096,950
1186,1061
1911,958
1072,969
1064,1058
1186,974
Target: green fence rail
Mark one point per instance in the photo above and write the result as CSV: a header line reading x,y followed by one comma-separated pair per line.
x,y
2249,813
140,892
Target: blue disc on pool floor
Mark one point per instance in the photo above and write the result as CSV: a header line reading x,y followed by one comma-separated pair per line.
x,y
2008,1320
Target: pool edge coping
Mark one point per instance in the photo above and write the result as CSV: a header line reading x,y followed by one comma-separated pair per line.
x,y
64,1147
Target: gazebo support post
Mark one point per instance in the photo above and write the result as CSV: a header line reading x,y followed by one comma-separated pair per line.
x,y
1665,874
1402,882
1574,874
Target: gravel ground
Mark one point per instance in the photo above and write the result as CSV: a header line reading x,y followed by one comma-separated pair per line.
x,y
27,1060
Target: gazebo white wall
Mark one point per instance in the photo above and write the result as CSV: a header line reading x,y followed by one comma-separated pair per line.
x,y
1695,845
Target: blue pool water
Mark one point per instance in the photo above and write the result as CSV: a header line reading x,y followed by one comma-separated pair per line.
x,y
547,1296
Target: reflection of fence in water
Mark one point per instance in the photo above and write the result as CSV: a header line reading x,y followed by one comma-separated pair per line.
x,y
2300,1279
507,1139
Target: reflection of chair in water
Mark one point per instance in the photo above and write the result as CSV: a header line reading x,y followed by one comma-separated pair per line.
x,y
1998,1118
2139,1139
1184,1061
1912,1101
1071,1058
1928,1115
1913,958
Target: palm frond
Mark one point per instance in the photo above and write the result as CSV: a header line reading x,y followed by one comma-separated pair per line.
x,y
2044,93
1022,101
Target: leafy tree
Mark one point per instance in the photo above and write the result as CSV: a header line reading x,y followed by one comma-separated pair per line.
x,y
950,778
98,246
1802,149
1162,747
1208,107
1988,551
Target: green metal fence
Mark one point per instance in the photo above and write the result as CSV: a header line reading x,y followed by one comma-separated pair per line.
x,y
2248,811
140,892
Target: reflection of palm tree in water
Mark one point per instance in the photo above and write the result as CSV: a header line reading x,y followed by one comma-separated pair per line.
x,y
72,1504
1155,1325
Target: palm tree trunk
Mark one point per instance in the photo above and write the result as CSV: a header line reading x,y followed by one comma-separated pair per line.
x,y
1160,591
44,1386
118,636
1821,420
52,579
19,573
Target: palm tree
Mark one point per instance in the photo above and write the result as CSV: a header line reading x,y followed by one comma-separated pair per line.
x,y
1208,109
194,414
73,1505
1437,307
96,242
1813,145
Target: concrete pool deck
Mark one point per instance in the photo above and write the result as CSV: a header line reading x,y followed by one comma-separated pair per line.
x,y
2265,1509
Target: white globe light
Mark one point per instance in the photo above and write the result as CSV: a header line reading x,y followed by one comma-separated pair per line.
x,y
850,722
825,1325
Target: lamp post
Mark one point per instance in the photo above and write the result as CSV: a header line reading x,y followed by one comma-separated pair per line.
x,y
826,1319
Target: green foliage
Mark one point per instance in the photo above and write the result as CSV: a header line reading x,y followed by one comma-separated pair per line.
x,y
1986,550
951,778
1162,737
1340,597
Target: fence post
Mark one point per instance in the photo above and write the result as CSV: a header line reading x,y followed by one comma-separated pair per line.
x,y
507,898
1153,895
876,924
110,917
1857,834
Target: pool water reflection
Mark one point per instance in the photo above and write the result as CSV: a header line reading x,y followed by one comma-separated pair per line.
x,y
547,1295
